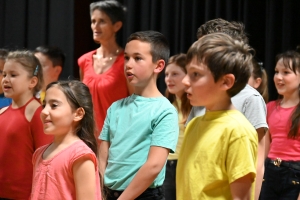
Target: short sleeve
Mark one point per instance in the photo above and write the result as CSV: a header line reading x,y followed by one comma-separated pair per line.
x,y
241,158
81,61
104,135
255,111
166,130
82,151
37,130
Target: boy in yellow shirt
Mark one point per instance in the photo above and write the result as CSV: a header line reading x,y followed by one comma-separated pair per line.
x,y
219,151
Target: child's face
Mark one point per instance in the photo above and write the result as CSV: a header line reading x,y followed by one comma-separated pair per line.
x,y
200,86
50,72
139,68
1,76
286,81
173,78
15,80
57,115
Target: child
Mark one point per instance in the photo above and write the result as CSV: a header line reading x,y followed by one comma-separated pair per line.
x,y
3,100
52,60
67,168
21,127
174,73
248,101
140,130
282,166
218,155
259,79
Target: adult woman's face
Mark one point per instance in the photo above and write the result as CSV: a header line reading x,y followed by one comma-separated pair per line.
x,y
102,27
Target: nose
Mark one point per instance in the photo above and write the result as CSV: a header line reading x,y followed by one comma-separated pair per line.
x,y
44,113
186,81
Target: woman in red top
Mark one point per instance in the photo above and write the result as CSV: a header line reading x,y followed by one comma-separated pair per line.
x,y
102,70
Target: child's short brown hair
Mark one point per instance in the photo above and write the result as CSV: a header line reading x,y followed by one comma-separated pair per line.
x,y
224,55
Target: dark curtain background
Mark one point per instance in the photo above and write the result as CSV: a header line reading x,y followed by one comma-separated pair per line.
x,y
272,25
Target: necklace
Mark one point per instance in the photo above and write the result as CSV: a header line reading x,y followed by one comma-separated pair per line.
x,y
105,60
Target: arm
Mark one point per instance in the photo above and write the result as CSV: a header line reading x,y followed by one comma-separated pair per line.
x,y
103,156
147,173
260,161
241,188
84,178
80,74
268,141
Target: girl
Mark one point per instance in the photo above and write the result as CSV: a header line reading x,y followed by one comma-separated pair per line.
x,y
21,129
67,168
259,79
174,73
282,165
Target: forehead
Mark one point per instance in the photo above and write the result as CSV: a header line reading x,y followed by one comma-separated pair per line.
x,y
137,47
99,14
1,64
12,65
195,64
173,67
55,93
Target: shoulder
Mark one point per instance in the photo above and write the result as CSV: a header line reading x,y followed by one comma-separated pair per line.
x,y
80,150
271,105
86,56
32,109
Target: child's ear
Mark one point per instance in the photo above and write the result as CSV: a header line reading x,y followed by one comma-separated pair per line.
x,y
160,65
257,83
117,26
227,81
34,80
58,70
79,113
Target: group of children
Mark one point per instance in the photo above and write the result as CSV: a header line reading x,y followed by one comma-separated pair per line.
x,y
220,153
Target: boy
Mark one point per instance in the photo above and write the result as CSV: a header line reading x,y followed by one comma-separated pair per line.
x,y
3,100
248,100
140,130
218,154
52,60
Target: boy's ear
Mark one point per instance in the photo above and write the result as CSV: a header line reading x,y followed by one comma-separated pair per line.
x,y
160,65
79,113
227,81
58,70
34,80
117,26
257,82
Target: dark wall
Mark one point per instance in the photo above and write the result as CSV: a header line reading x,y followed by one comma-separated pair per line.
x,y
272,25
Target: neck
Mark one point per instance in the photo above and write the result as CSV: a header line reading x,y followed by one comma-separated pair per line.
x,y
106,50
149,91
67,139
221,105
20,101
291,100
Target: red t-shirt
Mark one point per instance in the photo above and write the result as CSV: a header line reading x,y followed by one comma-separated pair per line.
x,y
19,140
278,119
105,88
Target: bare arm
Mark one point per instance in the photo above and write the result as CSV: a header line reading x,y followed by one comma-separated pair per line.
x,y
84,178
268,141
80,74
103,156
260,161
241,188
147,173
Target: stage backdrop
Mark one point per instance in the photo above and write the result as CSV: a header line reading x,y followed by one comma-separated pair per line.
x,y
272,25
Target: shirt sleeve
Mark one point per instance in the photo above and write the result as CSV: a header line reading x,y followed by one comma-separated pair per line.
x,y
166,130
37,130
255,111
241,158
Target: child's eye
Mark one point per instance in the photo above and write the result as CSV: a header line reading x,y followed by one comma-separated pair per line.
x,y
276,72
138,58
54,105
126,58
195,74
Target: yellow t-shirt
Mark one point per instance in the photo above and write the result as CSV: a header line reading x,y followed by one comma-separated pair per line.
x,y
218,148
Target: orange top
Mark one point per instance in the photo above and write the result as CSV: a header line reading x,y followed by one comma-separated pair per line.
x,y
105,88
53,178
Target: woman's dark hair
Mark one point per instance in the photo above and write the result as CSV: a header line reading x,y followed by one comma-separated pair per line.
x,y
79,96
259,72
291,60
113,9
185,108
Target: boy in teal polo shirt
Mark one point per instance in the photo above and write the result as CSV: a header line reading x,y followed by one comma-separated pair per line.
x,y
140,130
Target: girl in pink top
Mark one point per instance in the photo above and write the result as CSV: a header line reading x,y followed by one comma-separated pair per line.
x,y
282,166
67,168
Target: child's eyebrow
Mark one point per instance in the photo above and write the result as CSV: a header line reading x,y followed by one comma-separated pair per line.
x,y
51,101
